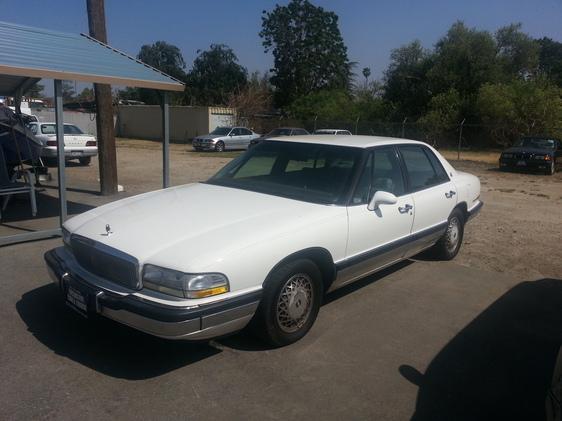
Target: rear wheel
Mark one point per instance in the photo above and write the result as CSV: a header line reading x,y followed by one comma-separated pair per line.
x,y
85,160
290,303
219,147
449,244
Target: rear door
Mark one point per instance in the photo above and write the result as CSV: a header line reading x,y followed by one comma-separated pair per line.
x,y
377,237
245,138
433,193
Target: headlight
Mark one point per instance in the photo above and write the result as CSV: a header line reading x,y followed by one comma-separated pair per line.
x,y
507,155
184,285
66,237
542,157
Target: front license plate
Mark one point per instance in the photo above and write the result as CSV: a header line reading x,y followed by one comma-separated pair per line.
x,y
521,163
75,153
77,301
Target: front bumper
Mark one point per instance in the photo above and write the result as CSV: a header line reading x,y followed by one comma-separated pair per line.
x,y
475,210
524,164
207,146
199,322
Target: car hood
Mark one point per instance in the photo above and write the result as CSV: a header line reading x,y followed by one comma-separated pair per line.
x,y
517,149
190,227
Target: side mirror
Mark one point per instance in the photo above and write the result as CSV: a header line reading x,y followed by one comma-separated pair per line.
x,y
382,198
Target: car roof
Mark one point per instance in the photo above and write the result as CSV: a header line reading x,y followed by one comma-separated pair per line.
x,y
346,140
52,122
331,130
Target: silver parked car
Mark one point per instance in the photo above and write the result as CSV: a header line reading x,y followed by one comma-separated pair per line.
x,y
333,131
225,138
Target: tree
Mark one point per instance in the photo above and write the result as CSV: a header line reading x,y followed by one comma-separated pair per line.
x,y
36,91
443,115
68,92
366,73
406,85
86,95
253,99
166,58
308,51
464,59
550,59
521,107
517,52
215,76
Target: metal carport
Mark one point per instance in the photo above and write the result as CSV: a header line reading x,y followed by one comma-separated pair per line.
x,y
29,54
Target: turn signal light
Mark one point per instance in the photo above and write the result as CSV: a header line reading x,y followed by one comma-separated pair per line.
x,y
207,292
91,143
51,143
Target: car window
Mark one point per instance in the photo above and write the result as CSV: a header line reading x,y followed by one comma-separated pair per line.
x,y
421,172
344,132
245,132
236,132
52,129
441,173
70,129
299,132
33,128
382,172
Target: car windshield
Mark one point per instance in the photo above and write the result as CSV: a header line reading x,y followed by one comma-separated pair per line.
x,y
302,171
221,131
538,143
279,132
52,129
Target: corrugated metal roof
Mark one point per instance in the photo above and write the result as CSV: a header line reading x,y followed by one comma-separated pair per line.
x,y
27,52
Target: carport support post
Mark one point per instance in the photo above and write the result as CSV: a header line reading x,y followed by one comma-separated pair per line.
x,y
166,141
59,120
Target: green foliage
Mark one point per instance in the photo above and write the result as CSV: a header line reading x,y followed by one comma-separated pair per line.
x,y
308,50
36,91
215,77
406,85
444,113
166,58
518,53
550,59
523,107
68,93
87,94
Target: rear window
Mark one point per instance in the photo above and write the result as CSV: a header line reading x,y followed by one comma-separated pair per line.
x,y
52,129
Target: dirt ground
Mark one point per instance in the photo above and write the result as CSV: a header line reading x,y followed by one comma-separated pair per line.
x,y
518,231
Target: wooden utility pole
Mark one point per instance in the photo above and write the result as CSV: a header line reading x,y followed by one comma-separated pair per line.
x,y
104,107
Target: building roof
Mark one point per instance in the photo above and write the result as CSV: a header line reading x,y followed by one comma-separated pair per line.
x,y
346,140
28,54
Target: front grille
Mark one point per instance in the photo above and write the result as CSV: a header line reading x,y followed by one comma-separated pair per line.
x,y
106,262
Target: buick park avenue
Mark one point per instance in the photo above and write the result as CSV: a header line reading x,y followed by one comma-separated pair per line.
x,y
263,240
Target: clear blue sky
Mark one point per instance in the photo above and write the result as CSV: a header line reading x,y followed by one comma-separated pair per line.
x,y
370,28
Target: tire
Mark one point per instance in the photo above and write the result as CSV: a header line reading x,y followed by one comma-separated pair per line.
x,y
85,160
450,243
290,303
219,147
552,169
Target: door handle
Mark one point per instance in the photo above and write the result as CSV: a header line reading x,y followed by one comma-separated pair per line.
x,y
450,194
407,208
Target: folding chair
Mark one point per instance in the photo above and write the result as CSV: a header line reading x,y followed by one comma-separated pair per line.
x,y
8,186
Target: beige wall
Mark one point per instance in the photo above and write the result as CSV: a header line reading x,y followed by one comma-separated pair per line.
x,y
145,121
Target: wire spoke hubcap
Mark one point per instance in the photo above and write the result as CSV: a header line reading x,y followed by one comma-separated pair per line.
x,y
294,303
453,234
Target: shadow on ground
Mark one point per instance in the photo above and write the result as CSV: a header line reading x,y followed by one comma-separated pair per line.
x,y
100,344
19,208
499,366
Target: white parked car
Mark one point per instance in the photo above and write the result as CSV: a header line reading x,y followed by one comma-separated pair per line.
x,y
225,138
265,237
77,144
333,132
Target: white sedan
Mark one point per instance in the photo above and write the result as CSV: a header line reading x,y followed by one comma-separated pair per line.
x,y
77,144
265,238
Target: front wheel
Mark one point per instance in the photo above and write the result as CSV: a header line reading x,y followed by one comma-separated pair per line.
x,y
552,169
290,303
449,244
219,147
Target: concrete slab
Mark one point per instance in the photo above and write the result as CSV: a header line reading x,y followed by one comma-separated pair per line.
x,y
363,359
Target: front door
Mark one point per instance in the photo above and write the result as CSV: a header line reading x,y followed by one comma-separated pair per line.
x,y
376,237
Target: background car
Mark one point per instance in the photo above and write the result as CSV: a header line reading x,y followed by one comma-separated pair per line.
x,y
278,132
333,131
225,138
533,153
77,144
